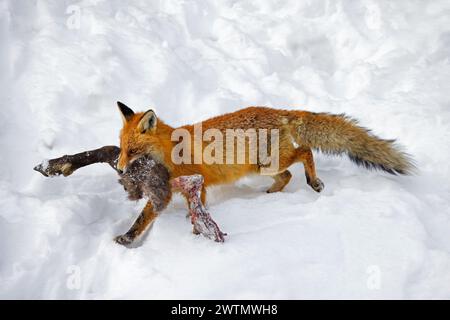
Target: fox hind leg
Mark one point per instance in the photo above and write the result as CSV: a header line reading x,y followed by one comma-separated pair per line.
x,y
281,180
305,156
146,218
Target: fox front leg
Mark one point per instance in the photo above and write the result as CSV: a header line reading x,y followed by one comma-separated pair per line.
x,y
67,164
145,219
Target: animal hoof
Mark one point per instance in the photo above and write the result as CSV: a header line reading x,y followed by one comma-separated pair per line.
x,y
195,231
40,168
123,240
55,169
317,185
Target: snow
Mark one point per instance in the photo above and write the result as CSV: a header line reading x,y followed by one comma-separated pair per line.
x,y
367,235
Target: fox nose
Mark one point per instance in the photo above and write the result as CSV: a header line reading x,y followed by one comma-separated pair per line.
x,y
120,169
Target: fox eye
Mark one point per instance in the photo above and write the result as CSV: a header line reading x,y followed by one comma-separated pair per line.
x,y
132,152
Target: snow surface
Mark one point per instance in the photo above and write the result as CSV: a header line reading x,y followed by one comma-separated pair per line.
x,y
368,235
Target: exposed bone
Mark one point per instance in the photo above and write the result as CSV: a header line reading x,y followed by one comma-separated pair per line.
x,y
191,187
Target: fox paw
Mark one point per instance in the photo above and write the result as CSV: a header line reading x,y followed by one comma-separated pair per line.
x,y
123,240
274,188
317,185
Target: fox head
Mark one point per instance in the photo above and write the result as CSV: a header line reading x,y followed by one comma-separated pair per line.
x,y
138,131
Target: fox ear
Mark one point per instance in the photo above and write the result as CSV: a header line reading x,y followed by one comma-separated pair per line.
x,y
126,112
148,122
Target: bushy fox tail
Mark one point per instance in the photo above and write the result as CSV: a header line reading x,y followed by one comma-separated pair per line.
x,y
338,134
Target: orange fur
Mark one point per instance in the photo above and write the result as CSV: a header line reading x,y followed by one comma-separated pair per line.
x,y
159,144
299,132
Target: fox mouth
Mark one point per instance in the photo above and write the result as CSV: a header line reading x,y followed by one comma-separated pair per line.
x,y
128,165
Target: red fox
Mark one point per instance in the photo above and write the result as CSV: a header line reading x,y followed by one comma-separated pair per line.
x,y
298,132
